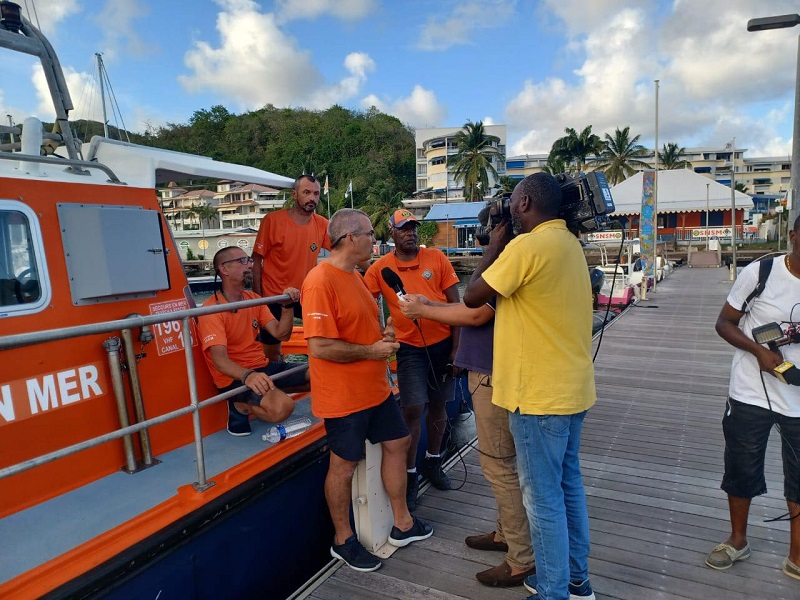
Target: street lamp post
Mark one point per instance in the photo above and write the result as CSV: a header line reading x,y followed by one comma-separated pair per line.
x,y
733,208
708,237
779,22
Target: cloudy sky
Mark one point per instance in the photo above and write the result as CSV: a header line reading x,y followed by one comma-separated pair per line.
x,y
536,66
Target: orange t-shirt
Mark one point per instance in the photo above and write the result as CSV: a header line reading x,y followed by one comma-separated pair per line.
x,y
289,250
237,331
430,273
337,305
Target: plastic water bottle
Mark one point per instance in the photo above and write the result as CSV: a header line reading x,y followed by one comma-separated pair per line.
x,y
291,428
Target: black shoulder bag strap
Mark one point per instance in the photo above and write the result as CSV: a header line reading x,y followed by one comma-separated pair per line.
x,y
764,269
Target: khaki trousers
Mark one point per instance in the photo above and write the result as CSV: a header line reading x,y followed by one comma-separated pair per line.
x,y
500,470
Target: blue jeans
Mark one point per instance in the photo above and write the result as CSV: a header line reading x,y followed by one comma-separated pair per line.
x,y
554,498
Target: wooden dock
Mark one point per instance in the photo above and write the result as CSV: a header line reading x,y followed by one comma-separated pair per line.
x,y
652,454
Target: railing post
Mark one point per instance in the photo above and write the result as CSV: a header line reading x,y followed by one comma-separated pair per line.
x,y
112,349
186,335
136,391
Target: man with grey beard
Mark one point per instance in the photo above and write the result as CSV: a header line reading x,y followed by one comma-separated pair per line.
x,y
233,354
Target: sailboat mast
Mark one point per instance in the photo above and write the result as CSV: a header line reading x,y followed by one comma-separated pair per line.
x,y
102,92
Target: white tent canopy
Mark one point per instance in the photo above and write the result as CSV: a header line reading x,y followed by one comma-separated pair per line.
x,y
679,190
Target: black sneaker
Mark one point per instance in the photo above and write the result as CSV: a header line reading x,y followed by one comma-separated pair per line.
x,y
238,423
418,531
412,491
432,469
355,555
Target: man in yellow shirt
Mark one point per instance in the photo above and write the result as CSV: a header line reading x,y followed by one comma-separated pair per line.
x,y
543,375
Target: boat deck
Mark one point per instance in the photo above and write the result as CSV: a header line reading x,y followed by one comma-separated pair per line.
x,y
652,456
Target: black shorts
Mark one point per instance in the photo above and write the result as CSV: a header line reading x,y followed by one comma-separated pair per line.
x,y
382,423
747,428
425,374
277,310
297,379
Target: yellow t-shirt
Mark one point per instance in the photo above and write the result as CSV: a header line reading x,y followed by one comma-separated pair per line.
x,y
543,328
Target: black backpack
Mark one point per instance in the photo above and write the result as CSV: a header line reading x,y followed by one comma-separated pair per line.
x,y
764,269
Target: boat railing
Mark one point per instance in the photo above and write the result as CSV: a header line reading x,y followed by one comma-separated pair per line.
x,y
76,166
126,431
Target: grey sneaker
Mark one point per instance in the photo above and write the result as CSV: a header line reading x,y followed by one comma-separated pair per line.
x,y
724,555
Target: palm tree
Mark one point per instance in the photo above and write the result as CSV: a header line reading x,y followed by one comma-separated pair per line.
x,y
382,201
670,157
507,184
206,213
555,165
575,147
472,163
740,187
619,157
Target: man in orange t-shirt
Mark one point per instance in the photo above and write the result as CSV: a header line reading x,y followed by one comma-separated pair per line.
x,y
286,249
232,352
347,361
425,358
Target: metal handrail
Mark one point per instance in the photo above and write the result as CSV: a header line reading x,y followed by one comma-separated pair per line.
x,y
50,335
28,339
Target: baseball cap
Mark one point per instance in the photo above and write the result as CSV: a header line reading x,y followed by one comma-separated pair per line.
x,y
402,216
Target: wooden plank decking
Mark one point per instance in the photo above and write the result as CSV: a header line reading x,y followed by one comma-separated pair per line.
x,y
652,462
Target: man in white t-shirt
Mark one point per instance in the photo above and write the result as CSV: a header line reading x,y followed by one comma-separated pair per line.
x,y
758,400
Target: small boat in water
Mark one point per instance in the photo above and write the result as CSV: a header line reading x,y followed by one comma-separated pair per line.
x,y
117,477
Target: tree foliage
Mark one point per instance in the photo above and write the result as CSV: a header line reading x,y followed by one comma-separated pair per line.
x,y
620,156
472,162
669,157
374,150
574,148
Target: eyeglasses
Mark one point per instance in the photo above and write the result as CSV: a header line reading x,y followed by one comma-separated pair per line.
x,y
244,260
370,233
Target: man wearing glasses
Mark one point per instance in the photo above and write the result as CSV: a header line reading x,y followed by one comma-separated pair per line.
x,y
233,354
286,249
347,359
425,357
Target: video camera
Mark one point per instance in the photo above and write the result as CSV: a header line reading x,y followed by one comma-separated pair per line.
x,y
585,203
773,336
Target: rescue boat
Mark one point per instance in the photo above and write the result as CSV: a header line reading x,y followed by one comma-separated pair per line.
x,y
117,477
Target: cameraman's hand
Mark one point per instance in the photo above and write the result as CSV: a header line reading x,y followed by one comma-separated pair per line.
x,y
768,360
499,236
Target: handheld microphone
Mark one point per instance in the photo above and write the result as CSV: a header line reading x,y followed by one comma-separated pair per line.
x,y
393,280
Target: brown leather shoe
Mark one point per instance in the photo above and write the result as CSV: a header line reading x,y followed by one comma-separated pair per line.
x,y
500,576
485,541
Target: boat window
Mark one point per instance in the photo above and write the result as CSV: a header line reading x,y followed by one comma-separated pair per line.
x,y
23,284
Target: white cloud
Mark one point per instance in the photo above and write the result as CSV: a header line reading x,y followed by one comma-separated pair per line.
x,y
457,28
420,109
116,21
77,83
489,121
712,73
47,20
256,63
349,10
358,65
